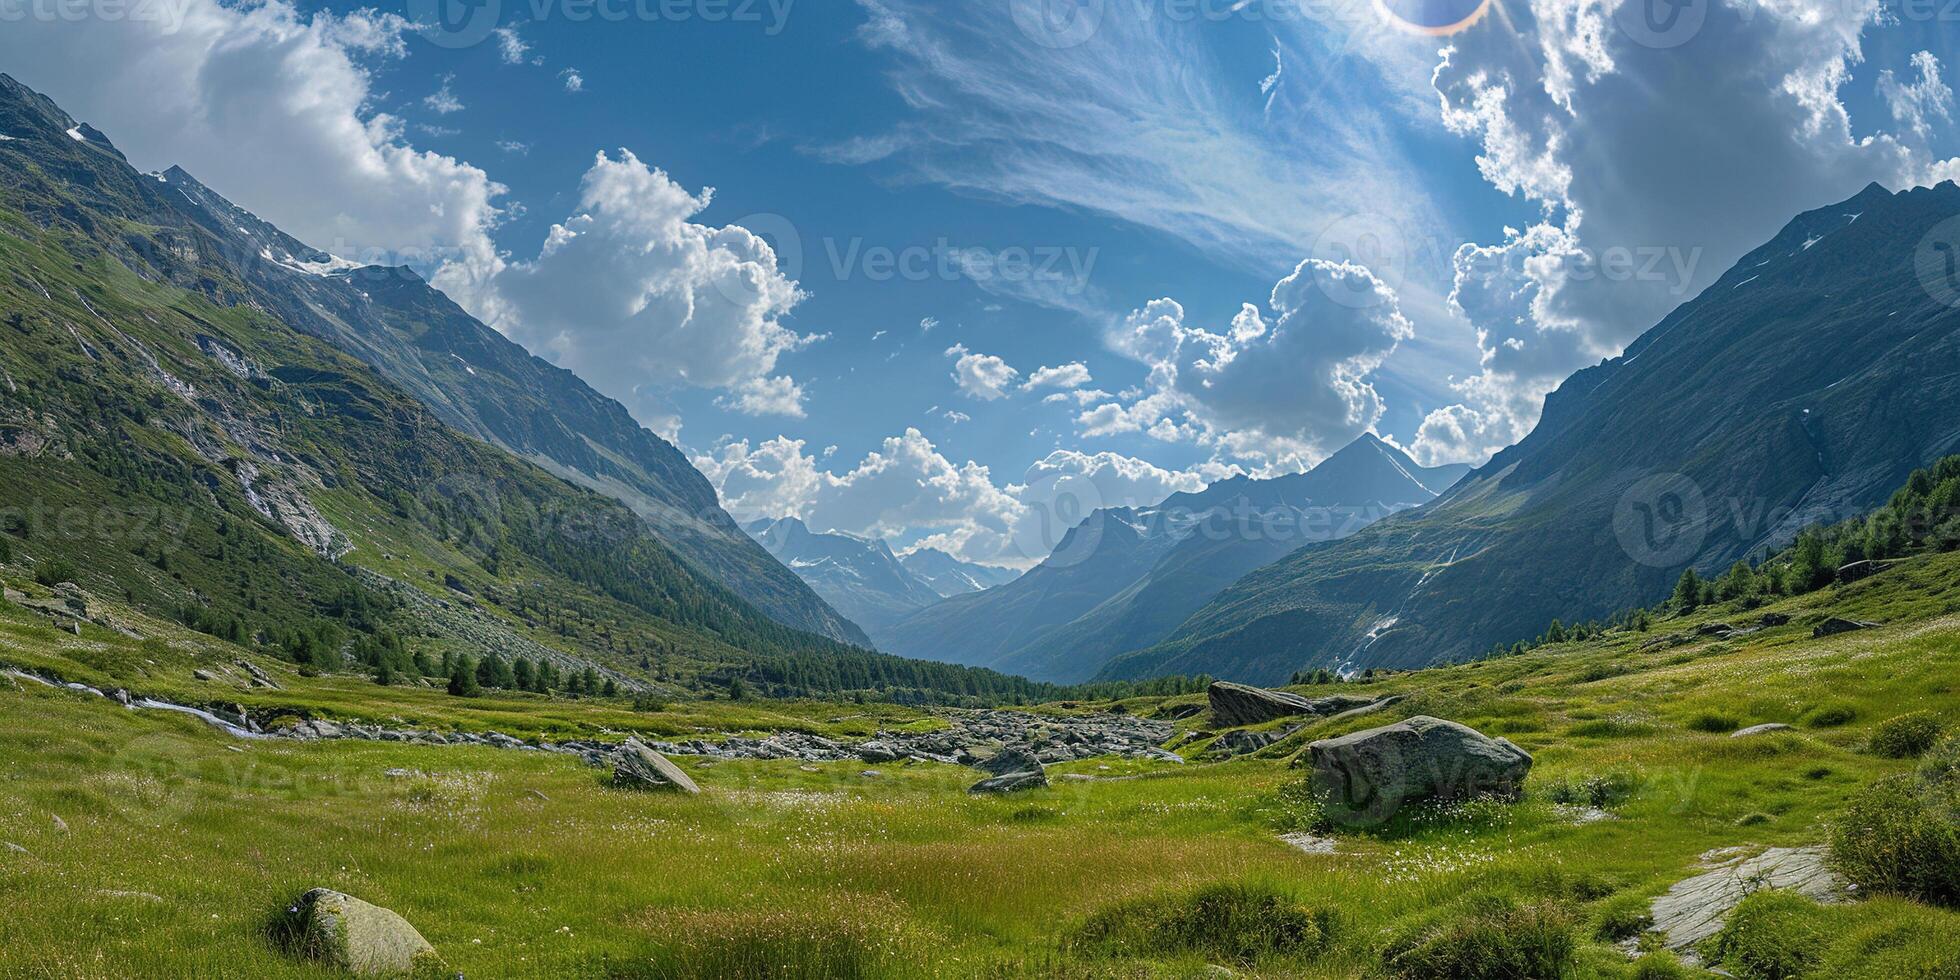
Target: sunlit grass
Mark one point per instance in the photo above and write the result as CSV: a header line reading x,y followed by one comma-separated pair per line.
x,y
173,847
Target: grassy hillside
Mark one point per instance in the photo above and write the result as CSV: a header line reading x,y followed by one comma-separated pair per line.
x,y
174,846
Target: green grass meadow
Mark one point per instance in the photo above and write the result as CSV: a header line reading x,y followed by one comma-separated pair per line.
x,y
150,845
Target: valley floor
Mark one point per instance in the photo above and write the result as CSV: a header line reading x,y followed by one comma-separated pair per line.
x,y
150,844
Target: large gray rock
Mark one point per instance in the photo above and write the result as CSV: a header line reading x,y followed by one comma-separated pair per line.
x,y
365,940
643,768
1366,777
1693,910
1011,759
1835,626
1233,705
1012,782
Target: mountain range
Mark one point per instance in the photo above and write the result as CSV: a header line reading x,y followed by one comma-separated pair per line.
x,y
486,386
1804,385
168,436
863,579
1125,577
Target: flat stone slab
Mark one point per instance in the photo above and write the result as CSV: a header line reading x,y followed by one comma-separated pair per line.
x,y
1763,730
1694,910
1308,843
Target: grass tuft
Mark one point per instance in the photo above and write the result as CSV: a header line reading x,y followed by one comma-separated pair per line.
x,y
1496,939
1241,922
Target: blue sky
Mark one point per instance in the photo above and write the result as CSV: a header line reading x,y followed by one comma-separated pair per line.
x,y
766,113
1252,230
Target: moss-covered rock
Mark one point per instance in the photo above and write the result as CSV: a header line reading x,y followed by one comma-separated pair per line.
x,y
358,937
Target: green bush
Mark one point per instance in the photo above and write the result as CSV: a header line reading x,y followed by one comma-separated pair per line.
x,y
1831,715
55,571
1902,836
1772,935
1496,939
1899,941
1907,736
1623,917
1713,723
1594,791
1662,966
1244,923
1940,766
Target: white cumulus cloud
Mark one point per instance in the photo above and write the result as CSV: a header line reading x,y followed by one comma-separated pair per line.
x,y
274,107
634,296
981,376
908,488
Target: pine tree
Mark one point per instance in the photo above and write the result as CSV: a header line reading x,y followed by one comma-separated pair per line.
x,y
1687,592
462,679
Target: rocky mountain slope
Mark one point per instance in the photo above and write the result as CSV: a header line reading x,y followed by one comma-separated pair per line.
x,y
859,577
1804,385
484,385
949,576
1126,577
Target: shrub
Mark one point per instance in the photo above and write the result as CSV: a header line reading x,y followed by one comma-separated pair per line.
x,y
1593,791
1940,766
1832,715
1907,736
1715,724
1902,835
1661,966
1899,941
1772,935
55,571
1240,922
1495,940
1610,728
776,944
1623,917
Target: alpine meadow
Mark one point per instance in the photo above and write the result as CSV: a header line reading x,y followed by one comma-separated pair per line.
x,y
1029,488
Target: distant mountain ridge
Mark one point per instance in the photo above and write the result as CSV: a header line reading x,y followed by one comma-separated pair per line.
x,y
950,576
1126,577
487,386
860,577
1805,384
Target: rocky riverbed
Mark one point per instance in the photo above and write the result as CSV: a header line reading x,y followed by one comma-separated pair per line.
x,y
971,737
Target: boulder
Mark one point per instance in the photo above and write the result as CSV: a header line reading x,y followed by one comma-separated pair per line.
x,y
1237,705
1012,759
1772,620
1366,777
1012,782
365,940
1835,626
1859,571
640,767
1762,730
